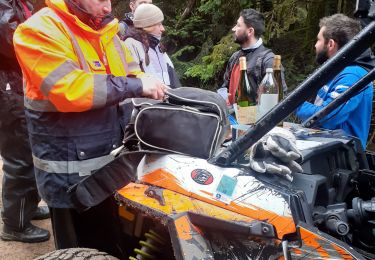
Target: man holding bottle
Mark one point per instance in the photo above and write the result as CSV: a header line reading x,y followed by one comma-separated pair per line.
x,y
354,116
247,32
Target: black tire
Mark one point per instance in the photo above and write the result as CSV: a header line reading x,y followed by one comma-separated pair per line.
x,y
77,254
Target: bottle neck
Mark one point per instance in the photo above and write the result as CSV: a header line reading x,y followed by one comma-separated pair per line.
x,y
276,67
277,62
242,64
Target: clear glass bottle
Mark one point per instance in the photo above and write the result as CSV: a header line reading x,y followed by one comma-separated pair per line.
x,y
268,94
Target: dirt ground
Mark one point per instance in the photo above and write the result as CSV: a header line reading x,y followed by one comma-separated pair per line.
x,y
25,251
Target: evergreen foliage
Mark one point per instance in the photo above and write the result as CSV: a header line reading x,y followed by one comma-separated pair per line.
x,y
199,38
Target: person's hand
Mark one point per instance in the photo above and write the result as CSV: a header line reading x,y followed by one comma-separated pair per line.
x,y
276,153
153,88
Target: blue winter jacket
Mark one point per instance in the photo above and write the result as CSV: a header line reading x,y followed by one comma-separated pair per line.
x,y
354,116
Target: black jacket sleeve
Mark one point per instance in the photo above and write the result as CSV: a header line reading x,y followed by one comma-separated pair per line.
x,y
8,24
11,15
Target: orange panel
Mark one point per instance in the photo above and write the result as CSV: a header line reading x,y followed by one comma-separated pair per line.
x,y
183,228
284,225
325,248
178,203
297,251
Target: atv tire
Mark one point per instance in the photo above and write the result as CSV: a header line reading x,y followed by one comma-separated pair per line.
x,y
76,254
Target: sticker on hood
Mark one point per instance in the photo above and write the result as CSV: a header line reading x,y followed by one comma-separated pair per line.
x,y
202,177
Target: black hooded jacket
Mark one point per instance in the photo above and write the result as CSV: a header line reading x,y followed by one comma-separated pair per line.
x,y
126,25
12,14
366,60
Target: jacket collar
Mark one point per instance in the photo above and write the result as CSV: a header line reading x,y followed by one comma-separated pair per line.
x,y
153,41
109,30
254,46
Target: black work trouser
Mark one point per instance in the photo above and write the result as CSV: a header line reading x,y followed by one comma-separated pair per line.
x,y
99,228
19,192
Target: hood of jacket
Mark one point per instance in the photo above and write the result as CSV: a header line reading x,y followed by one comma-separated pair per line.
x,y
128,19
61,8
366,60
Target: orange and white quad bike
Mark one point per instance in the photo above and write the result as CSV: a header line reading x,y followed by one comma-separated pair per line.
x,y
209,212
183,207
221,209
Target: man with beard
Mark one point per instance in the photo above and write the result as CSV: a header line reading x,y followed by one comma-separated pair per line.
x,y
354,116
76,71
247,32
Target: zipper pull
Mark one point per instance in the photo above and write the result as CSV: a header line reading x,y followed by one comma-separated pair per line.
x,y
105,61
190,108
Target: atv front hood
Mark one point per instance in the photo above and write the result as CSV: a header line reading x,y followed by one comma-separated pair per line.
x,y
198,179
200,230
181,193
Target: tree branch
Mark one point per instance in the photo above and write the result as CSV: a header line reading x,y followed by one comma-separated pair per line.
x,y
189,7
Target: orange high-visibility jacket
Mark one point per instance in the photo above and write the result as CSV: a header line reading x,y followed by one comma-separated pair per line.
x,y
74,80
61,71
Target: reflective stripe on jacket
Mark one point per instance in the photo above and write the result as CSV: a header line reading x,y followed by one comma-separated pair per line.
x,y
71,97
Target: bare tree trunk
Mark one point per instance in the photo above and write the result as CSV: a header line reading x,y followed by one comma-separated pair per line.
x,y
189,7
315,10
258,5
265,6
340,6
348,7
331,7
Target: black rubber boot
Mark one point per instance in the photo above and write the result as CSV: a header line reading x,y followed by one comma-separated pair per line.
x,y
20,196
42,212
31,234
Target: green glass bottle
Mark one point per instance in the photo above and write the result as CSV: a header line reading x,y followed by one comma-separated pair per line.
x,y
243,89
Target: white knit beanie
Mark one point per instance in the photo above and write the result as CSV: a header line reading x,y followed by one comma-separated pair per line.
x,y
147,15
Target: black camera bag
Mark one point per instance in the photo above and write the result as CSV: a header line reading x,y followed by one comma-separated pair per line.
x,y
189,121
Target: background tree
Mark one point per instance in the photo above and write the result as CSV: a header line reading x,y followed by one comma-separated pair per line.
x,y
202,42
199,38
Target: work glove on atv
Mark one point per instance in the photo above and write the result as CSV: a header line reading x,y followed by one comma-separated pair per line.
x,y
276,153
